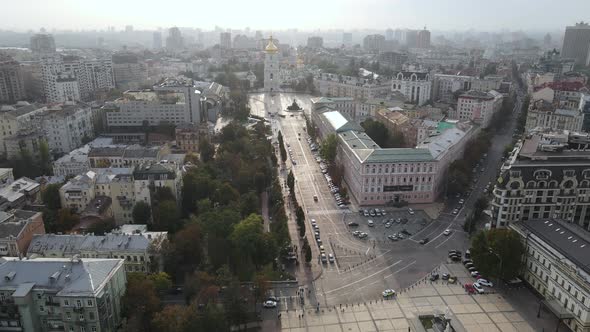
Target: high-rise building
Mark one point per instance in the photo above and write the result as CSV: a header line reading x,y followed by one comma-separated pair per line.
x,y
174,41
157,40
389,34
67,126
272,82
576,43
374,43
315,42
347,38
225,40
129,70
423,39
411,38
12,88
42,44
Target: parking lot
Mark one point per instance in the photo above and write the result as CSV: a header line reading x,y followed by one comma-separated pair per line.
x,y
395,222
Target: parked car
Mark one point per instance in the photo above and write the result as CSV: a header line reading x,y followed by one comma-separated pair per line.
x,y
434,277
469,288
410,211
370,223
353,224
485,282
474,274
324,258
445,276
478,288
452,280
330,258
424,240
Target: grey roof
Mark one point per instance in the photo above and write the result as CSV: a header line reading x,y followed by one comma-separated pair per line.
x,y
106,152
68,245
339,122
16,110
141,152
564,238
85,277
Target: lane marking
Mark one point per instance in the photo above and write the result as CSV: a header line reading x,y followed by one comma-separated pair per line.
x,y
363,279
448,238
403,268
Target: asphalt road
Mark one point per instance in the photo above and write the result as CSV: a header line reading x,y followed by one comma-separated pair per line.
x,y
365,267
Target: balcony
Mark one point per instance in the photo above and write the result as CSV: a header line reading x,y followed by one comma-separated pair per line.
x,y
52,304
78,309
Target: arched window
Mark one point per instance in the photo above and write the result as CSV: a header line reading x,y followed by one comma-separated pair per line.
x,y
271,76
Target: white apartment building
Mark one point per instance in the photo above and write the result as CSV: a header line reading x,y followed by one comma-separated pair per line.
x,y
478,107
129,70
19,116
415,86
334,85
70,78
58,294
66,126
542,114
357,110
134,249
556,266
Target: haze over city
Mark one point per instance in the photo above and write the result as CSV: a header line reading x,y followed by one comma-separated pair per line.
x,y
303,15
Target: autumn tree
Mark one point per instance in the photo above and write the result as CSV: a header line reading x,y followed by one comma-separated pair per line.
x,y
498,253
329,148
141,213
140,301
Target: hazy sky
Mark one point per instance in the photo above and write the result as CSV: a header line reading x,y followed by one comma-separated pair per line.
x,y
302,14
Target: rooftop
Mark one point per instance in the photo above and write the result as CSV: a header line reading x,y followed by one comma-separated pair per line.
x,y
69,277
71,244
564,238
21,108
339,122
18,189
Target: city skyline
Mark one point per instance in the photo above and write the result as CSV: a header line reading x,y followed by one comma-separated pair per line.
x,y
307,15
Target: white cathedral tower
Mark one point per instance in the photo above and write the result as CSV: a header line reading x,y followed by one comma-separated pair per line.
x,y
271,67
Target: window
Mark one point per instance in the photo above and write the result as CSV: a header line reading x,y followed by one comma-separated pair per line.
x,y
91,315
78,303
81,317
89,302
41,308
93,329
71,329
66,303
68,315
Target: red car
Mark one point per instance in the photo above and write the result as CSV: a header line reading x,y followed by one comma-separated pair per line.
x,y
469,288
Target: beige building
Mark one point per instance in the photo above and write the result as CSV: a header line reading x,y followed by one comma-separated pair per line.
x,y
334,85
542,114
478,107
14,118
60,294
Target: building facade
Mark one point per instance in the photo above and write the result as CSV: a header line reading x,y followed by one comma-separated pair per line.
x,y
374,43
315,42
334,85
129,71
62,294
478,107
543,114
415,86
576,43
545,176
12,87
17,228
67,126
42,44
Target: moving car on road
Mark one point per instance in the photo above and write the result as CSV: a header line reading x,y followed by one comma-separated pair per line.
x,y
447,232
270,304
388,293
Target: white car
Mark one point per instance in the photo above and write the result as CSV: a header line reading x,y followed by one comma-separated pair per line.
x,y
370,223
474,274
485,282
447,232
410,211
270,304
478,288
388,293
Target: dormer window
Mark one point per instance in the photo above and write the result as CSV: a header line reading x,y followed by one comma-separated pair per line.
x,y
542,174
586,173
569,173
514,174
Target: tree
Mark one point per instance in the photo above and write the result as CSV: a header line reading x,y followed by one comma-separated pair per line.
x,y
261,287
206,150
307,250
282,150
102,227
226,194
329,147
141,213
140,300
291,182
50,196
183,253
161,281
45,158
249,203
498,253
66,220
302,229
377,131
167,216
173,318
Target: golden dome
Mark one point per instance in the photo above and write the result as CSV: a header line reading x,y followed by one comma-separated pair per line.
x,y
271,47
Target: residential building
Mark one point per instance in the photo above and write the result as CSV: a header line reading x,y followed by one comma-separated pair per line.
x,y
445,86
27,140
584,108
133,249
415,86
478,107
172,102
19,116
19,193
272,81
157,40
67,126
42,44
537,78
374,43
129,70
74,163
123,156
334,85
6,177
315,42
562,93
423,40
77,193
545,176
174,41
58,294
12,87
17,228
394,60
188,136
151,176
556,265
576,43
542,114
225,40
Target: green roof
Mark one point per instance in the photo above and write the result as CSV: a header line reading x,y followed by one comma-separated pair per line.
x,y
443,125
399,154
